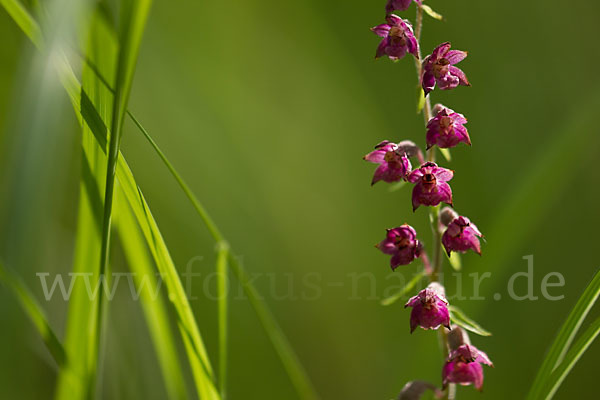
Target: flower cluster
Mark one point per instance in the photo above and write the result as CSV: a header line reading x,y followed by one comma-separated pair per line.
x,y
445,129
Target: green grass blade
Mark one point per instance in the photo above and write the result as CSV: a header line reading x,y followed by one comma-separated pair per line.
x,y
135,15
222,281
73,378
187,325
70,384
406,289
210,224
282,346
199,361
565,337
25,21
570,359
460,318
288,357
152,303
35,312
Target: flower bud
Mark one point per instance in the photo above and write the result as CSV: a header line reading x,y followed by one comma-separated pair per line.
x,y
400,5
402,244
447,215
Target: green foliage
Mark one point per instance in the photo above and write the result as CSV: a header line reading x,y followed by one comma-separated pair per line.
x,y
561,357
458,317
405,290
429,11
35,312
85,316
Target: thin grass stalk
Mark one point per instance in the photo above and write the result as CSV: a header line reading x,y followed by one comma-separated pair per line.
x,y
280,343
222,281
95,138
35,313
135,19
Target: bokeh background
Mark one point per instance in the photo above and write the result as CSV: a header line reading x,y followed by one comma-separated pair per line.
x,y
266,108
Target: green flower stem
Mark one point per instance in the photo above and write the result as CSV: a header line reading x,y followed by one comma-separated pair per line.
x,y
450,394
419,67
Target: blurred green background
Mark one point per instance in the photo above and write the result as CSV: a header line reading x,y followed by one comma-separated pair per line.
x,y
266,108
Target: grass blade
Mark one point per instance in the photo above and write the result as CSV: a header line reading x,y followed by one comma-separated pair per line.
x,y
70,382
565,337
287,355
460,318
135,15
292,364
199,361
222,278
187,325
35,312
402,292
152,303
571,358
21,16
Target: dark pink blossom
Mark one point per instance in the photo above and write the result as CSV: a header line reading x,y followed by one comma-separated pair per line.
x,y
398,38
400,5
438,67
429,308
446,129
463,366
431,187
393,161
402,244
461,235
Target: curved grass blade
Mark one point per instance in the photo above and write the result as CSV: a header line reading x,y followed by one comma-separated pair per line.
x,y
134,17
287,355
222,280
565,338
21,16
35,312
280,343
70,382
402,292
571,358
282,346
460,318
152,302
190,333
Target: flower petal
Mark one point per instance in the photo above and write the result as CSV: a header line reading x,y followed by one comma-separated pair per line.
x,y
457,72
455,56
381,30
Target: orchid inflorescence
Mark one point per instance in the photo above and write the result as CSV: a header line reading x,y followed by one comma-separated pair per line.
x,y
444,129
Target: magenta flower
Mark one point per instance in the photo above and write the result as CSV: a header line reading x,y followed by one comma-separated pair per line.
x,y
439,68
429,308
431,187
463,366
446,128
398,38
393,161
402,244
461,235
400,5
